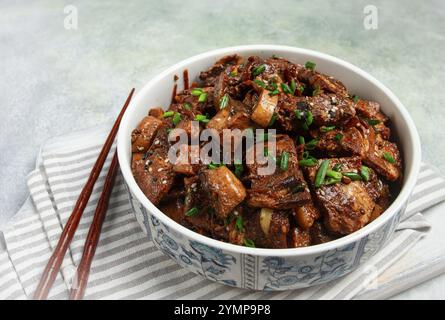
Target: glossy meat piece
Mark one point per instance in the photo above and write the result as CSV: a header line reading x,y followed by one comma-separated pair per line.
x,y
154,173
323,82
276,234
330,109
319,234
375,157
210,76
143,135
370,110
265,108
234,116
224,189
346,207
184,164
346,141
284,189
306,215
299,238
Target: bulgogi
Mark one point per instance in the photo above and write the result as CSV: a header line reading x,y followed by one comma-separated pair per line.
x,y
337,167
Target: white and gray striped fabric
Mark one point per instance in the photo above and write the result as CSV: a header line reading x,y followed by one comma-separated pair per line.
x,y
127,265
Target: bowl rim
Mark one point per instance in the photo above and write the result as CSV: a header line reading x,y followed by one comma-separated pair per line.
x,y
396,205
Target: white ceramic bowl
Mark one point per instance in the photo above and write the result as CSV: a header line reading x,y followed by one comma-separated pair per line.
x,y
269,269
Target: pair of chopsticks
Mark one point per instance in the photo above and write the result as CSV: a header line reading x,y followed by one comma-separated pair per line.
x,y
53,266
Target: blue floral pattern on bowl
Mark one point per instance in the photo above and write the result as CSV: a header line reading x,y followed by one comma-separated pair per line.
x,y
259,272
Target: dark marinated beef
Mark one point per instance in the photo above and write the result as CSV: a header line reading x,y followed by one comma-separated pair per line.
x,y
153,172
284,189
316,119
224,189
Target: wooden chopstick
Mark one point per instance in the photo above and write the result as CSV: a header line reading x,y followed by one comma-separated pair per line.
x,y
53,266
83,269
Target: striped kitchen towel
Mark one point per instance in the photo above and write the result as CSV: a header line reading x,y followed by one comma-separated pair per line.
x,y
128,266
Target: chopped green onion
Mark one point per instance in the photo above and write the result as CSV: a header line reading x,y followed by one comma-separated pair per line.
x,y
301,140
311,162
338,136
213,166
293,86
353,176
337,167
168,114
373,122
233,73
202,97
266,151
201,118
309,117
176,118
272,120
306,155
274,92
310,65
297,114
355,98
389,158
259,70
305,126
321,173
311,144
224,101
327,129
286,88
260,83
301,88
272,85
264,137
249,243
239,169
239,223
364,172
334,174
330,181
192,212
284,162
187,105
316,91
196,92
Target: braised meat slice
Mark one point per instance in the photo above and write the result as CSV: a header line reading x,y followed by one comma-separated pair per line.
x,y
224,189
325,110
154,173
234,116
184,164
284,189
348,140
306,215
267,228
210,76
370,111
319,81
347,207
319,234
299,238
142,136
384,157
330,109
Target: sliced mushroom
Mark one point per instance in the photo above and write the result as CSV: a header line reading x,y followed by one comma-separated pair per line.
x,y
265,218
264,109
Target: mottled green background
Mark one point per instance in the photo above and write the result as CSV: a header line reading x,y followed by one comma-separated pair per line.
x,y
54,81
